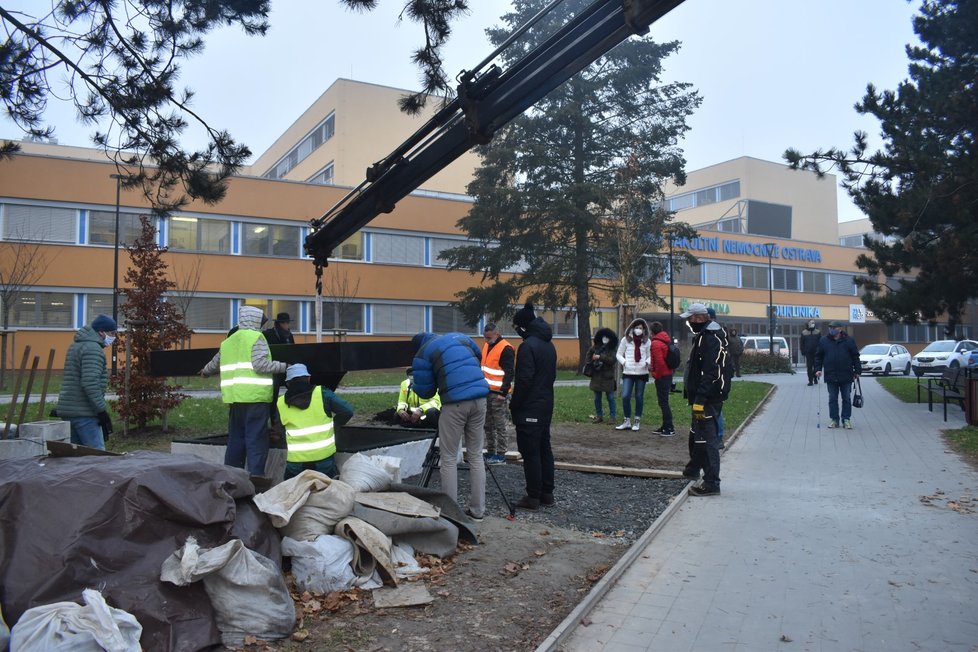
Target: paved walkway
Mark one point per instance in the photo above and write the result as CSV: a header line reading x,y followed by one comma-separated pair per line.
x,y
824,540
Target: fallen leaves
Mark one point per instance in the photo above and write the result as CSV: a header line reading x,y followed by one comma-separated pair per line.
x,y
597,572
963,505
513,568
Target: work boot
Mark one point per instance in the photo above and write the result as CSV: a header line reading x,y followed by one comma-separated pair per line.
x,y
596,418
704,490
528,502
546,500
625,425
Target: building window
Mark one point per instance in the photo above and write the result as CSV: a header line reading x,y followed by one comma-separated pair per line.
x,y
704,196
101,228
339,316
753,277
349,249
813,281
272,307
207,313
402,249
852,240
97,304
42,309
391,320
604,319
720,274
324,177
446,319
198,234
688,274
438,245
270,240
841,284
39,223
785,279
319,135
563,322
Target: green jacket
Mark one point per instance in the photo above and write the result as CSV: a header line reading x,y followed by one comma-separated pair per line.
x,y
86,377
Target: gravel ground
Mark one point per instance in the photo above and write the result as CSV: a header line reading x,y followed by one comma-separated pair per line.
x,y
620,508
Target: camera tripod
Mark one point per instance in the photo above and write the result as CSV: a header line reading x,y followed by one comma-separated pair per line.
x,y
431,462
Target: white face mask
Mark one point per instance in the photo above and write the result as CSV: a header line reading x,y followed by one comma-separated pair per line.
x,y
109,339
638,332
605,340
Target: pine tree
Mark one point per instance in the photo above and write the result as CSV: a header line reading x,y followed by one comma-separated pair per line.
x,y
555,186
920,190
151,324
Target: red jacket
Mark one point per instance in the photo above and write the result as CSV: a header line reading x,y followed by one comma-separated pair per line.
x,y
660,346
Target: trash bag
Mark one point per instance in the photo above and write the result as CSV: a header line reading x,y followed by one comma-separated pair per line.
x,y
325,565
247,590
308,505
365,474
71,627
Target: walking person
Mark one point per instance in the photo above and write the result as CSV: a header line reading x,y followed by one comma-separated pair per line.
x,y
604,373
662,375
810,337
532,406
81,401
498,365
707,385
837,359
736,346
634,356
246,367
309,415
450,365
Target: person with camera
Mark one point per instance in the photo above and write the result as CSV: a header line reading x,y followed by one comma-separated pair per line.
x,y
600,366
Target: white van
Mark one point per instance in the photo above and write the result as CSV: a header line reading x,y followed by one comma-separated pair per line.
x,y
762,344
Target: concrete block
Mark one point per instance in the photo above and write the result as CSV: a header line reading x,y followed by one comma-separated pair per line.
x,y
15,449
46,431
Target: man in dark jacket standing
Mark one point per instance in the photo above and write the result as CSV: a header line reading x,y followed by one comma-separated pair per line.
x,y
707,383
450,365
532,406
838,358
81,400
810,337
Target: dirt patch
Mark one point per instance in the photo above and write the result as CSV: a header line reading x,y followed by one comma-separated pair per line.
x,y
510,591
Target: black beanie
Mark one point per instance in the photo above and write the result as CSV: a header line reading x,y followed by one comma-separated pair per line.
x,y
524,316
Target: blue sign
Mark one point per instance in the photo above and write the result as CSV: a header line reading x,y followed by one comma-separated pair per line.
x,y
715,244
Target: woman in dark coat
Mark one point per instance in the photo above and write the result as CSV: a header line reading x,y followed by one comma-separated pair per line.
x,y
604,378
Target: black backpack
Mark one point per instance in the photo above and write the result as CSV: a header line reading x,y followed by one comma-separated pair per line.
x,y
674,357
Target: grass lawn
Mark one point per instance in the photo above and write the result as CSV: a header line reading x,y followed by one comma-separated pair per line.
x,y
963,440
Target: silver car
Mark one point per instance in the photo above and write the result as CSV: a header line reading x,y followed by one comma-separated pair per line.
x,y
885,359
937,357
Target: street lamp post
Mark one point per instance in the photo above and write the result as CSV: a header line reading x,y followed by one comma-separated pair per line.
x,y
769,246
672,295
115,271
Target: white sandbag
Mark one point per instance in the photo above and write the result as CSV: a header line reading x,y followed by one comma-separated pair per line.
x,y
71,627
247,590
405,565
324,565
392,465
308,505
364,474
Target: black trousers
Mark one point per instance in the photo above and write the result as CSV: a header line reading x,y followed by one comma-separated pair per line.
x,y
704,447
533,443
810,365
662,387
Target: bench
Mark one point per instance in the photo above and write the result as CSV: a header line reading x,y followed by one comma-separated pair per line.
x,y
949,387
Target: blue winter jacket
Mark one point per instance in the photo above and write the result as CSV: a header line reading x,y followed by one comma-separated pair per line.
x,y
839,358
449,364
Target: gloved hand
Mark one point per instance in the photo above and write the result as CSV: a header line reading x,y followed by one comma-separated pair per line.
x,y
699,411
106,422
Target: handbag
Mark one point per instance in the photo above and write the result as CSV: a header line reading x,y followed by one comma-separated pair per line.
x,y
588,368
857,397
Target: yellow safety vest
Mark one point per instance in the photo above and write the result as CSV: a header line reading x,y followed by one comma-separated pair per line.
x,y
407,399
309,432
240,383
490,365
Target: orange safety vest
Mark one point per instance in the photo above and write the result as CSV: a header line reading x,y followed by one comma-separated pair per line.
x,y
490,365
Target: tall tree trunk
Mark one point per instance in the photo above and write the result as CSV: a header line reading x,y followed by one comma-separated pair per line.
x,y
581,237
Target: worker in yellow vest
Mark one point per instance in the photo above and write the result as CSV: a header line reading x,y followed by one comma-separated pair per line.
x,y
309,414
498,364
412,410
246,369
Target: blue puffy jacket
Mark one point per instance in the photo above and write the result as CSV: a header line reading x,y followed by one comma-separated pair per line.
x,y
449,364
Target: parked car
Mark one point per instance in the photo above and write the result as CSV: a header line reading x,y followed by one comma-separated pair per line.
x,y
762,344
937,357
973,360
885,359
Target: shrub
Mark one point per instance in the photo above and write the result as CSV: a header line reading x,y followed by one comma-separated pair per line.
x,y
765,363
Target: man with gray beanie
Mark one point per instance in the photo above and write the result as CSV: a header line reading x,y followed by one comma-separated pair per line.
x,y
81,401
246,367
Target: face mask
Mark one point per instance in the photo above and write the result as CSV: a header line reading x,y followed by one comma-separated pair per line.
x,y
109,339
811,324
695,327
637,332
520,331
834,331
605,340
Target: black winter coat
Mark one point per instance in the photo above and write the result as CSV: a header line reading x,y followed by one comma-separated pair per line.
x,y
704,380
809,341
838,358
536,370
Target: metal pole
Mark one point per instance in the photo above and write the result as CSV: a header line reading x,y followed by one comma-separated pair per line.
x,y
115,271
672,295
770,296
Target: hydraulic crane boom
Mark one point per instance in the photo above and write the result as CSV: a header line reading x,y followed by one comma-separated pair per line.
x,y
487,100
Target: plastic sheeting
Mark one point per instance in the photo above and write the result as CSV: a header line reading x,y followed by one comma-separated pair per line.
x,y
67,524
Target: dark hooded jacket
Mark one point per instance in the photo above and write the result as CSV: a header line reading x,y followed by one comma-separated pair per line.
x,y
299,395
705,381
839,358
536,370
604,379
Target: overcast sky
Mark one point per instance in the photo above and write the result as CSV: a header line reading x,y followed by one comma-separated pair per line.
x,y
773,73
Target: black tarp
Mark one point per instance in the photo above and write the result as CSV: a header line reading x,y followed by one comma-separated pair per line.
x,y
108,523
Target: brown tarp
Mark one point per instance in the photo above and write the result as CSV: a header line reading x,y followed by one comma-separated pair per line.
x,y
108,523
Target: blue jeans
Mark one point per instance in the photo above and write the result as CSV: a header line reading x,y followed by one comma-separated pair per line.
x,y
598,410
248,437
326,467
86,431
628,385
834,390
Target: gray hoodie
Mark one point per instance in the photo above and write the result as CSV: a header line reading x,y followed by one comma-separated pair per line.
x,y
249,318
